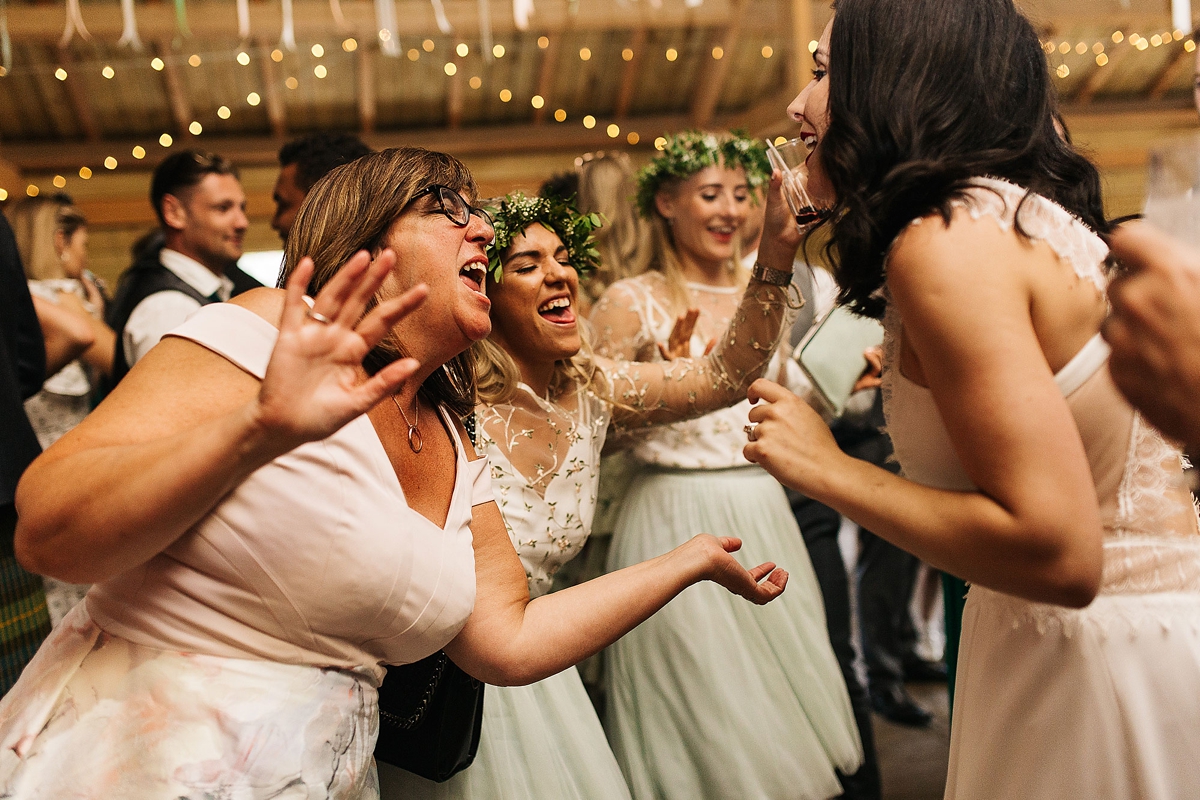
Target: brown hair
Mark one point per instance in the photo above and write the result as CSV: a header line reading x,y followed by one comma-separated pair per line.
x,y
35,221
352,208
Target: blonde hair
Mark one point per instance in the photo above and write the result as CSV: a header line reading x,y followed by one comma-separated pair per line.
x,y
666,257
35,221
497,375
607,186
352,208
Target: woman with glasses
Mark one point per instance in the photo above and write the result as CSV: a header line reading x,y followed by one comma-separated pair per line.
x,y
279,500
546,404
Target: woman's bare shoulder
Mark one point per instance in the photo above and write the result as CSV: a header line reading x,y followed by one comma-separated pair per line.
x,y
266,302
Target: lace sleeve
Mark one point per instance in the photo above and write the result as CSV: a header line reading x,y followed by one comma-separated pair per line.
x,y
652,393
619,322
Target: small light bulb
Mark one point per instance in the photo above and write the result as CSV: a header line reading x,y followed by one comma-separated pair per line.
x,y
110,163
166,140
243,58
589,122
85,173
108,72
463,51
560,115
505,95
320,71
60,73
157,64
450,68
543,42
633,138
223,112
672,54
194,59
613,131
196,128
139,152
253,98
475,82
318,51
350,45
59,181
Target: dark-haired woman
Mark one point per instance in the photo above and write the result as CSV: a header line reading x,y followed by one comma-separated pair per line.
x,y
961,216
274,504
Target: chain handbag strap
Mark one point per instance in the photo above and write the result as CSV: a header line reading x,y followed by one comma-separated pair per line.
x,y
414,719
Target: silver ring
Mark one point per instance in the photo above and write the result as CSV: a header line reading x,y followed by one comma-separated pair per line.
x,y
319,317
749,431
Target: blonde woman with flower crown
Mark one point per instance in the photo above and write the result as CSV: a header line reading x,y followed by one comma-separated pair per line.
x,y
546,404
708,700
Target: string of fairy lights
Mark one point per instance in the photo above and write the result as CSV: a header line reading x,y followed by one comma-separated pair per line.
x,y
320,71
1098,48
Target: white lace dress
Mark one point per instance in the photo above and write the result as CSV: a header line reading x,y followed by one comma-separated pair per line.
x,y
544,741
1101,702
689,688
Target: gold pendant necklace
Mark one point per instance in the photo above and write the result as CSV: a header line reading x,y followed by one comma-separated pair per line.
x,y
415,443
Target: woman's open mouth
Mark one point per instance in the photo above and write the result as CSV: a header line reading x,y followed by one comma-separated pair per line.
x,y
557,311
473,275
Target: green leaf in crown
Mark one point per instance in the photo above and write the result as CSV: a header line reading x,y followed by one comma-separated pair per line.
x,y
688,152
515,212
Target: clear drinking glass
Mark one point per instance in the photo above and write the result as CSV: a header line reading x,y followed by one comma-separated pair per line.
x,y
1173,190
789,158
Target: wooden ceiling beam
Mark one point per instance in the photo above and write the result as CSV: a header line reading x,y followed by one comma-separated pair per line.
x,y
213,18
546,76
804,30
1170,72
177,99
80,103
276,111
263,150
711,81
1099,77
454,95
367,99
630,72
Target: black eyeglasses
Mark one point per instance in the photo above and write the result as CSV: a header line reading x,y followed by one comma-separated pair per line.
x,y
456,209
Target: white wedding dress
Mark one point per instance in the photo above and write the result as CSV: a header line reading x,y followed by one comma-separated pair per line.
x,y
1102,702
544,741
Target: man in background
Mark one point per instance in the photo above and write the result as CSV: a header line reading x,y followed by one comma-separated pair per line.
x,y
303,162
201,209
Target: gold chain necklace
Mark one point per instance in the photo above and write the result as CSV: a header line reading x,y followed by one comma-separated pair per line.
x,y
415,443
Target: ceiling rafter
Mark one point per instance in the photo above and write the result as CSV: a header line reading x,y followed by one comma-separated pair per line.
x,y
213,18
711,81
181,109
546,76
276,111
630,72
368,108
1099,77
454,95
80,103
1170,72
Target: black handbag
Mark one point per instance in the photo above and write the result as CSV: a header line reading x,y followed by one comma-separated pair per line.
x,y
430,711
430,718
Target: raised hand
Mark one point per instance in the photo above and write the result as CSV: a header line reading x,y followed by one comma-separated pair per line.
x,y
678,344
788,439
725,570
1154,328
315,383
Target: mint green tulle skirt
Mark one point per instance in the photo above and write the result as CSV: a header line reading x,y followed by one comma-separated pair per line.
x,y
714,697
539,742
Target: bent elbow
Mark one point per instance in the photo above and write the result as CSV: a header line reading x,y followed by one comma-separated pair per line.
x,y
1077,577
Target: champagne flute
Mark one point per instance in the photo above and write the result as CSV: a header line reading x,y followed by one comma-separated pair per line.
x,y
789,158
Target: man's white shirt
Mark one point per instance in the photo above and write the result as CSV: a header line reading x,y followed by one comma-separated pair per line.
x,y
161,312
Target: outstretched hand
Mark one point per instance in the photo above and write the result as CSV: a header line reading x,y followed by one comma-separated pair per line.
x,y
788,438
678,344
760,585
314,382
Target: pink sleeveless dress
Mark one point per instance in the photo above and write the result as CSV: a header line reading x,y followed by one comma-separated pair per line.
x,y
243,660
1102,702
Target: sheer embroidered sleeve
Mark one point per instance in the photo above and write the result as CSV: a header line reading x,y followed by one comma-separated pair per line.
x,y
658,392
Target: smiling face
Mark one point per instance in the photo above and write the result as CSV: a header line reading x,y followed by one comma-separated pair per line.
x,y
208,221
452,261
811,110
706,212
533,305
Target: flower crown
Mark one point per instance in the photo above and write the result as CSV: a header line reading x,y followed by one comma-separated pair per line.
x,y
688,152
515,212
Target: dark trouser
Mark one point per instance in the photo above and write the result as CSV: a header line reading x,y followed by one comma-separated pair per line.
x,y
24,619
886,578
819,525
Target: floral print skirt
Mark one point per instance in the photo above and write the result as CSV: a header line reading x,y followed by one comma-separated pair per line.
x,y
97,716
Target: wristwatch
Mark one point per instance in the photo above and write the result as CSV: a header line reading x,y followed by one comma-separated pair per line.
x,y
775,277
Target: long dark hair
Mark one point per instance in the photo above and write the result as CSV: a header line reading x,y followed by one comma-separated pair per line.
x,y
923,96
